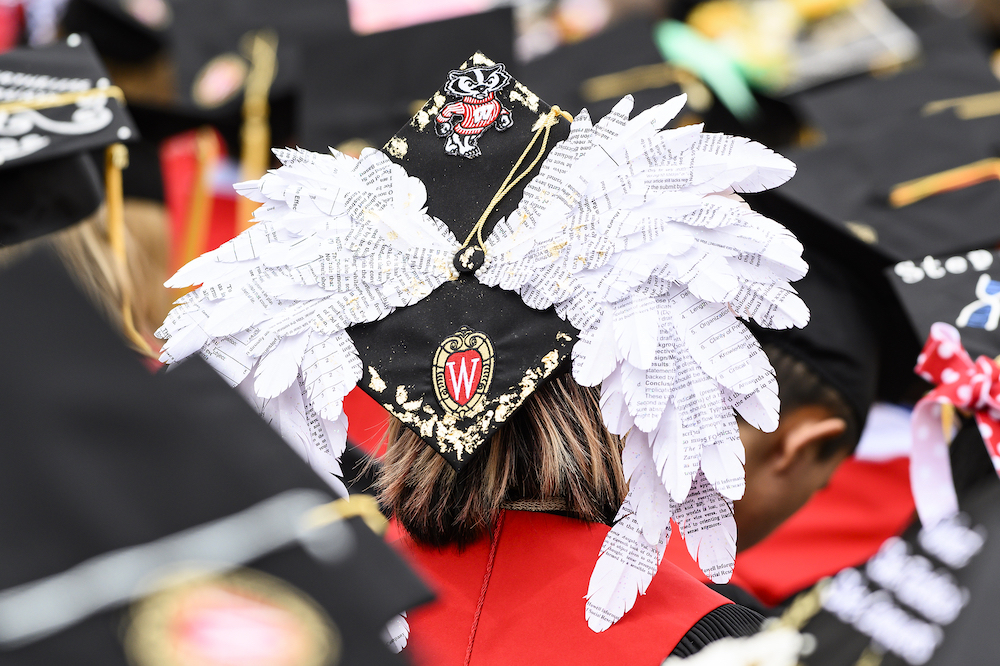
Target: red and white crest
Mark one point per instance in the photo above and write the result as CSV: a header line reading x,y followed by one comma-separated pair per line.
x,y
462,371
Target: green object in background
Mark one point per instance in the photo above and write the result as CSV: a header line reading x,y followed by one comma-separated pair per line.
x,y
681,45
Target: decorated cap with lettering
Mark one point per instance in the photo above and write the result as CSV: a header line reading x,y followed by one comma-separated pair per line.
x,y
961,289
492,244
58,105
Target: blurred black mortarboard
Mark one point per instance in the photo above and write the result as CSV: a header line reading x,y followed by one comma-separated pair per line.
x,y
927,597
102,459
61,105
211,47
839,343
911,187
365,87
124,30
597,72
962,290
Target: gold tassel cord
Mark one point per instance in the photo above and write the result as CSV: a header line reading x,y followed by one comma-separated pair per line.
x,y
62,99
361,505
256,131
958,178
542,128
115,160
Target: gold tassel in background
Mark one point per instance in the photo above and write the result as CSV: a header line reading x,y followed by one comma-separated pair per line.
x,y
256,133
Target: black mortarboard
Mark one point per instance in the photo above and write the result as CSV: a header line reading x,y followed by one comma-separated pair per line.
x,y
597,72
962,290
365,87
927,597
101,457
62,105
839,343
124,30
868,186
523,347
206,36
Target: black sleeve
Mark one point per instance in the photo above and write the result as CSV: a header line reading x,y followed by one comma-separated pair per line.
x,y
731,620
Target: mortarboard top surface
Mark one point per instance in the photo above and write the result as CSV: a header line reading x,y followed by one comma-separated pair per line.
x,y
365,87
528,346
961,289
954,62
125,30
840,342
206,36
47,180
927,597
100,455
624,56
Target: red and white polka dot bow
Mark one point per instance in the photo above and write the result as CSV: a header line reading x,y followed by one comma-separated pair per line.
x,y
968,385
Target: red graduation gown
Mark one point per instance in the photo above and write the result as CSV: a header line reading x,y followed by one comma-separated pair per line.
x,y
533,606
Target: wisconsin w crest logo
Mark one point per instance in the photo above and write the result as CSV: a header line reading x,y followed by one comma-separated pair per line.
x,y
462,371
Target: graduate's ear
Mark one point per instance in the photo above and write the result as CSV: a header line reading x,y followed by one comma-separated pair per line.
x,y
801,437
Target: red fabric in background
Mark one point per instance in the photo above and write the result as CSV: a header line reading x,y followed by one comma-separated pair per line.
x,y
841,526
11,25
533,610
367,422
179,163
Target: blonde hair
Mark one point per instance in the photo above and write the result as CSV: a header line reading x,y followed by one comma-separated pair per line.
x,y
87,255
554,447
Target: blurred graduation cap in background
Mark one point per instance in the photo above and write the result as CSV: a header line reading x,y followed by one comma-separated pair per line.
x,y
123,30
597,72
908,166
363,88
117,482
63,111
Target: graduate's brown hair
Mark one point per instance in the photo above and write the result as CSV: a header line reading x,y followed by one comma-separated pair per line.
x,y
554,448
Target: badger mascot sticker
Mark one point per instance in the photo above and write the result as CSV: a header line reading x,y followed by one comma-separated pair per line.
x,y
476,110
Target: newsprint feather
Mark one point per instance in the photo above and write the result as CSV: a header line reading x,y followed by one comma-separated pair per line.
x,y
634,234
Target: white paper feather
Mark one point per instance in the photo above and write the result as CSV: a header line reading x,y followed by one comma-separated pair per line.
x,y
339,241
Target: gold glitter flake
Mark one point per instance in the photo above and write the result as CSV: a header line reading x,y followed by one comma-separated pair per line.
x,y
463,441
479,59
396,147
376,383
520,94
430,109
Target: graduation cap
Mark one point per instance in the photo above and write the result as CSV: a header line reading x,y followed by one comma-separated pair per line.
x,y
61,105
365,87
927,597
124,30
962,290
621,60
116,481
840,343
485,249
213,45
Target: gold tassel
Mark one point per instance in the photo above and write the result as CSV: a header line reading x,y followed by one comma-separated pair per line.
x,y
256,131
200,205
116,159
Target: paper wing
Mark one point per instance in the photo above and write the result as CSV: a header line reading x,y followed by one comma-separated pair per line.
x,y
637,237
338,241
